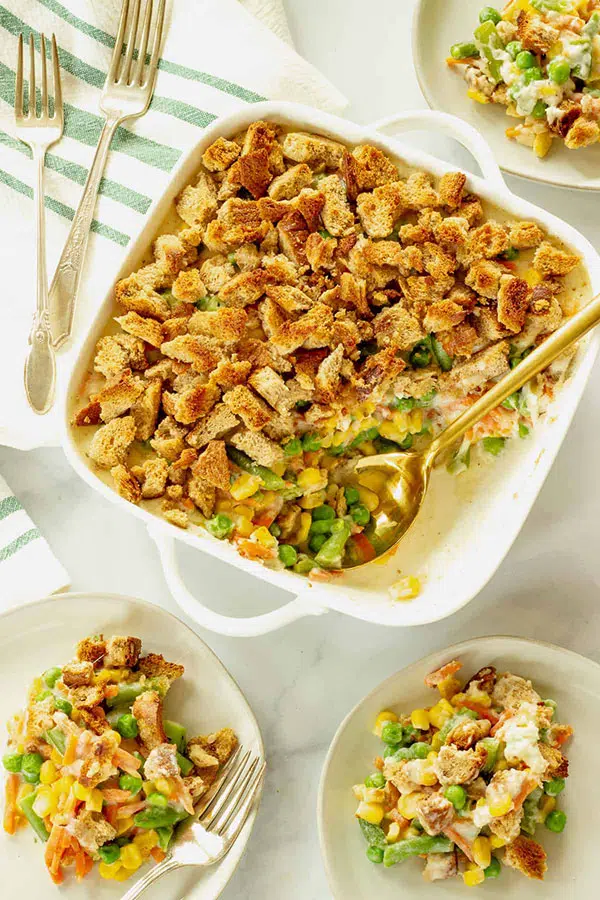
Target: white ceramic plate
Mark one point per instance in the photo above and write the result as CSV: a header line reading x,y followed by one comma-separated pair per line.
x,y
437,25
43,634
571,680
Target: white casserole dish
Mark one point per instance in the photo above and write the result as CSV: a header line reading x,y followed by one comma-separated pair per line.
x,y
455,546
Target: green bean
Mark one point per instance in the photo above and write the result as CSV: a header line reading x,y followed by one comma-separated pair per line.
x,y
293,447
455,720
176,733
529,821
63,705
287,554
419,750
165,833
330,554
271,481
492,746
126,695
30,767
444,361
463,51
592,26
153,817
369,434
416,846
185,764
375,854
56,738
373,834
311,442
489,39
130,783
26,807
304,564
420,355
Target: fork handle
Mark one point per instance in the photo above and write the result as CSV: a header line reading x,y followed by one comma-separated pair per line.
x,y
65,284
167,865
40,365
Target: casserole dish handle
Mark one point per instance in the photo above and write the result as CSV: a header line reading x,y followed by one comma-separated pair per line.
x,y
301,606
469,137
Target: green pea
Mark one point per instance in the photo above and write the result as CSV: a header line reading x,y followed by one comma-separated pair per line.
x,y
324,233
157,800
12,762
494,868
420,355
457,795
293,447
404,404
30,767
52,675
316,542
109,853
43,695
406,443
130,783
321,526
63,705
275,529
287,554
489,14
511,254
513,48
559,71
127,726
323,513
392,733
533,74
556,821
360,514
554,787
311,441
375,854
523,430
302,405
525,59
463,51
351,494
376,780
539,110
220,526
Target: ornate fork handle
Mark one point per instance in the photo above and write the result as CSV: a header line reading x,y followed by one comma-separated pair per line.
x,y
167,865
65,285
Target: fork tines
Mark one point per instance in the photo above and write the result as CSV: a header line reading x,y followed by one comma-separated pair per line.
x,y
234,794
132,44
32,94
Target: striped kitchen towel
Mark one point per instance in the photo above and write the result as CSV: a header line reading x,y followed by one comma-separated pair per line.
x,y
217,55
28,568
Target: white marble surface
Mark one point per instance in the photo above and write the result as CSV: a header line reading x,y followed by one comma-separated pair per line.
x,y
302,681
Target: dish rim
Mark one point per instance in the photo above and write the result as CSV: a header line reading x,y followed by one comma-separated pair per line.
x,y
313,597
42,602
428,95
452,651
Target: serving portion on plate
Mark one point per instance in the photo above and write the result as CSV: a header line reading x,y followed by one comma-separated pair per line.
x,y
307,303
468,781
96,768
471,779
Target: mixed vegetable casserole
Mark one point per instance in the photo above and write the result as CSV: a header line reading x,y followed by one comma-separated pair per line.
x,y
312,304
466,783
541,60
94,768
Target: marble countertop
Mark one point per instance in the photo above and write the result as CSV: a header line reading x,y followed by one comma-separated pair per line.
x,y
302,681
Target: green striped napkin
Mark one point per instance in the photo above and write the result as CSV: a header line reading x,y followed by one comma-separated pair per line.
x,y
28,568
217,55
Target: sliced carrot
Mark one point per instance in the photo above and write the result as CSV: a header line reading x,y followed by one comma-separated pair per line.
x,y
115,795
466,61
69,754
529,784
434,678
130,809
460,841
364,547
379,763
11,812
265,519
110,814
58,842
111,690
254,550
157,854
122,759
83,864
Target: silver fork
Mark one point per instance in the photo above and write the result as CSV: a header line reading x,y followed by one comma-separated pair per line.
x,y
39,132
126,94
218,820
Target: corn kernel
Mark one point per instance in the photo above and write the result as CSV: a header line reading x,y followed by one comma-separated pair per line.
x,y
542,144
279,467
393,833
368,498
94,802
311,501
48,772
406,588
375,481
501,806
55,757
109,870
422,773
482,852
420,719
436,741
459,699
263,536
501,765
370,812
44,803
548,804
106,675
368,407
244,527
407,804
389,430
478,96
532,277
304,528
440,713
496,842
223,506
367,448
480,698
385,716
145,841
163,786
245,486
131,857
432,756
415,417
473,877
122,874
124,825
312,479
80,792
401,420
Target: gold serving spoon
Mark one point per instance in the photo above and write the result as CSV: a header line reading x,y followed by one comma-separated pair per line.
x,y
408,473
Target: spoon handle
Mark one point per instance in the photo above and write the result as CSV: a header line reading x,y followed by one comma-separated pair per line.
x,y
573,330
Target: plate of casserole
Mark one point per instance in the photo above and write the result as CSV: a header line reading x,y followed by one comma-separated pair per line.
x,y
470,767
526,73
118,720
308,292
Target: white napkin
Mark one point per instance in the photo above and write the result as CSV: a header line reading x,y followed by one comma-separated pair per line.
x,y
28,568
217,55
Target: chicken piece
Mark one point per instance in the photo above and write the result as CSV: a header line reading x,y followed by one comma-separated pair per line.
x,y
440,866
512,690
466,734
91,830
435,813
97,757
454,766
